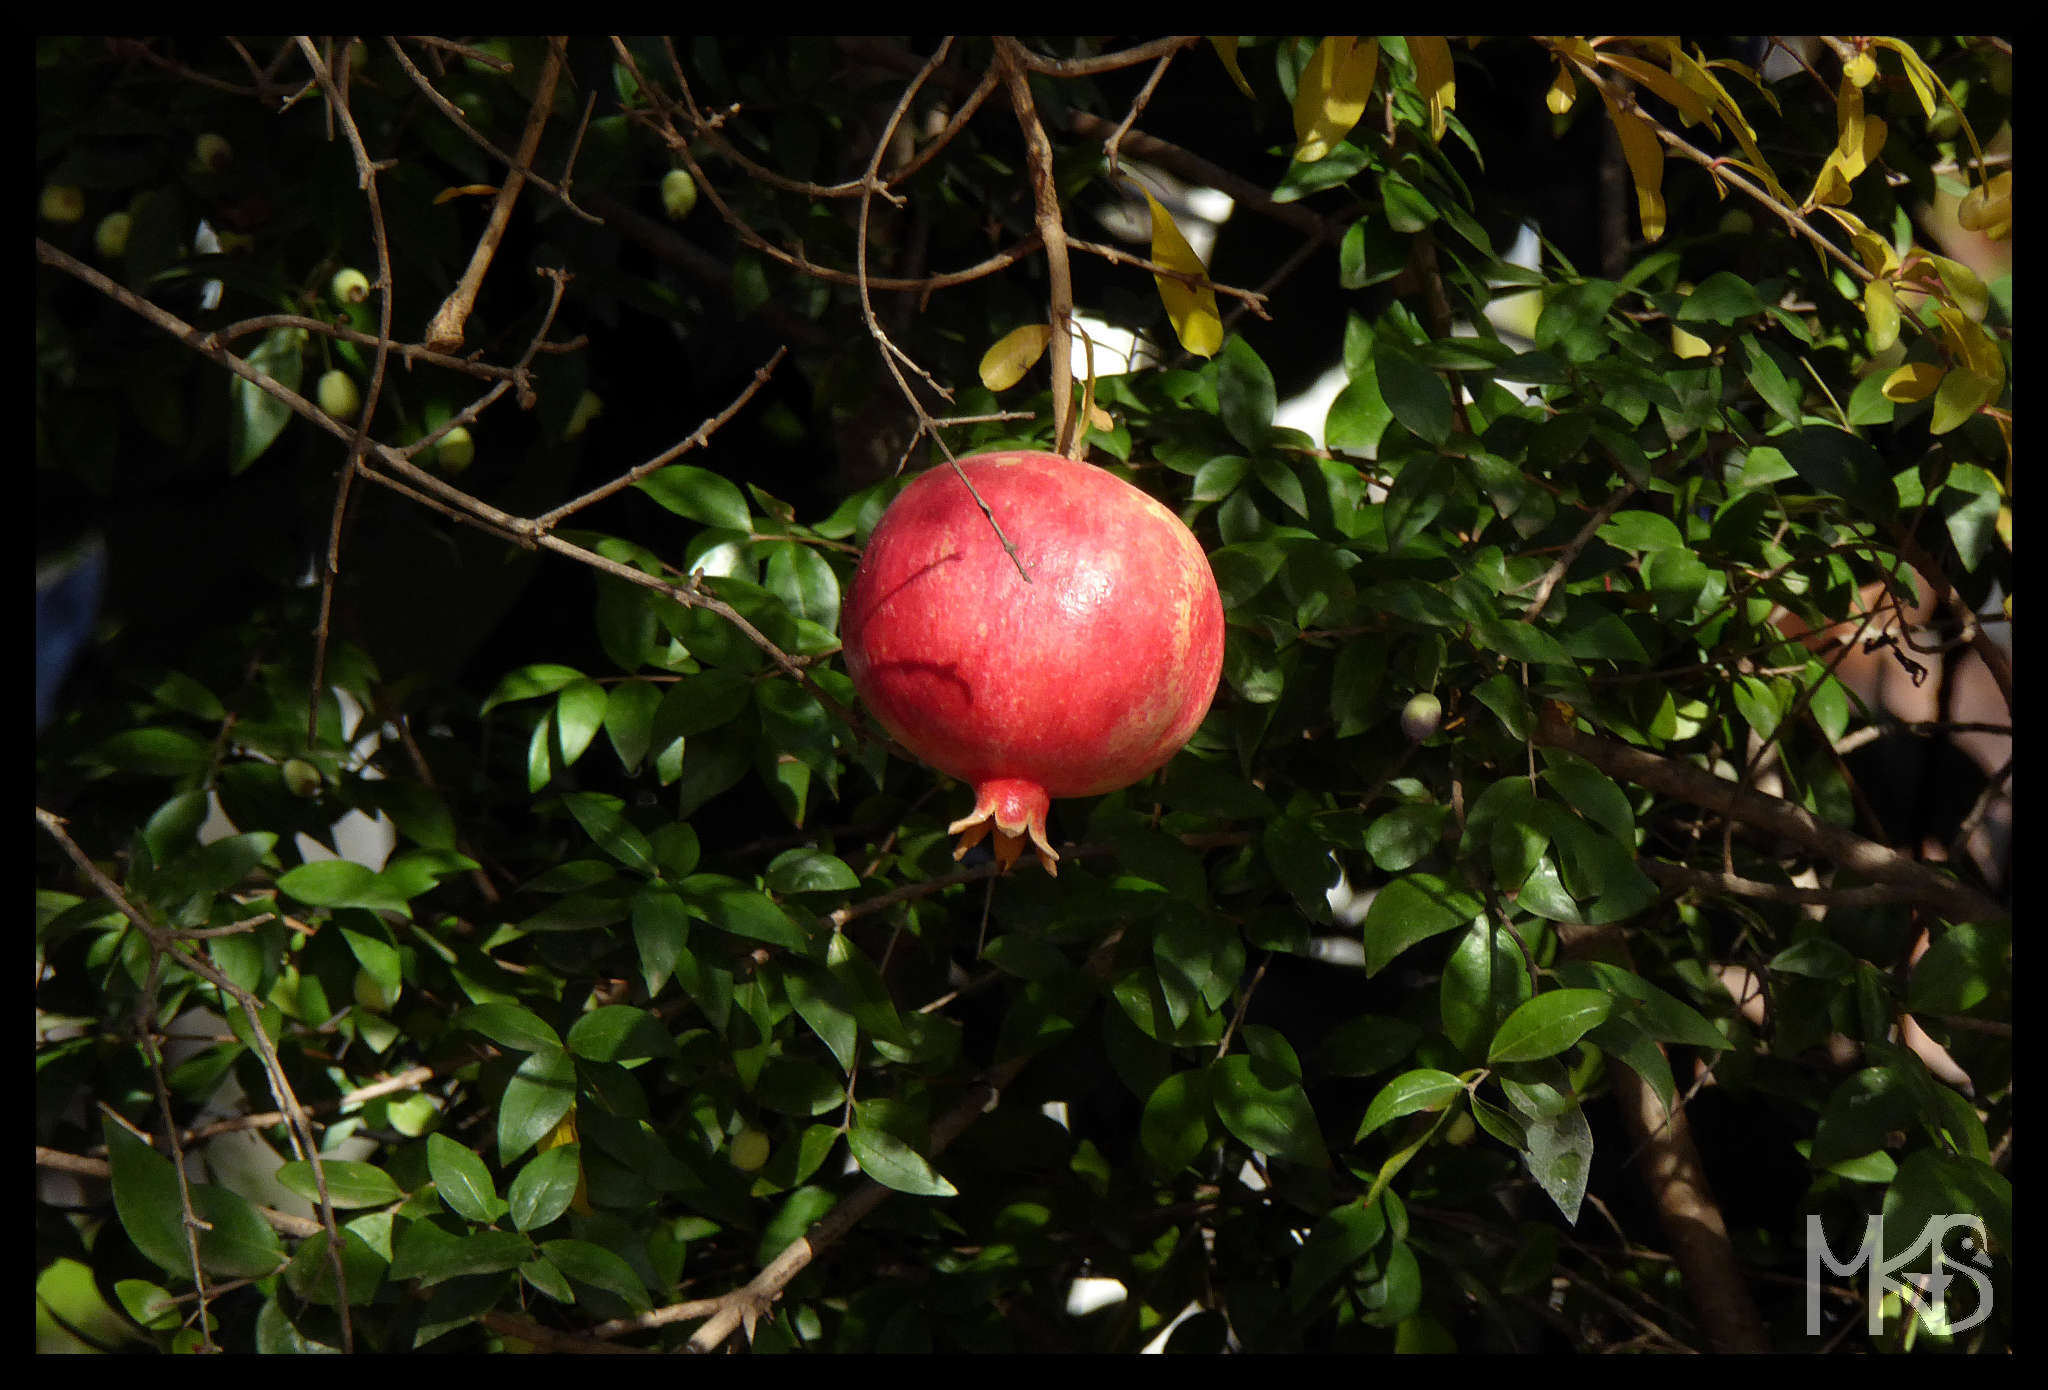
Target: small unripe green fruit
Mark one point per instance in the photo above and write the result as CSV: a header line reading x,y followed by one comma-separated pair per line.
x,y
61,202
349,286
588,408
455,451
338,394
1420,716
110,238
1461,1130
301,778
678,194
749,1149
212,152
372,996
1737,222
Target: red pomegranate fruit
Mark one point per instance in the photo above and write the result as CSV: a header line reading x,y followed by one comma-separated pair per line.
x,y
1076,683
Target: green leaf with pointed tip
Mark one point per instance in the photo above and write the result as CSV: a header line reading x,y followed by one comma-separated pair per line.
x,y
538,1096
1175,1125
463,1181
1412,909
545,1187
700,495
1266,1109
1424,1089
509,1025
1548,1024
349,1183
894,1164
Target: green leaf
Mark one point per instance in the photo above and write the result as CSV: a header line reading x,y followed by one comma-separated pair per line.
x,y
1960,970
255,417
463,1181
1244,393
545,1187
530,682
619,1033
349,1183
743,912
1415,393
1815,957
799,576
592,1264
1662,1016
1343,1237
1548,1024
804,870
509,1025
1641,531
700,495
311,1272
146,1199
1359,416
1862,1110
1774,375
1484,980
579,714
538,1096
155,752
1174,1127
603,818
1424,1089
425,1252
1405,835
1837,463
1722,297
629,720
340,883
894,1164
1266,1109
1411,909
661,926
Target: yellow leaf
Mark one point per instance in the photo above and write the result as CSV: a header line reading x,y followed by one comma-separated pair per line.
x,y
564,1132
1645,165
1860,69
1967,339
1226,49
1965,290
1913,382
467,190
1917,74
1987,208
1014,354
1881,314
1331,93
1432,58
1191,308
1563,91
1690,108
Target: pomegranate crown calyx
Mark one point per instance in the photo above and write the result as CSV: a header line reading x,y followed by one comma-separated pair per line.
x,y
1016,809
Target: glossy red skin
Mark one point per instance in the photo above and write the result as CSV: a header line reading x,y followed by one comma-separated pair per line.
x,y
1081,681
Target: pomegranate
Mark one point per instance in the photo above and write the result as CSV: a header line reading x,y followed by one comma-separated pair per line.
x,y
1075,683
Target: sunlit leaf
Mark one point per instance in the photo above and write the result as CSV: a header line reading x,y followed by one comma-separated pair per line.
x,y
1987,208
1645,165
1432,59
1331,94
1226,49
1913,382
1014,354
1190,308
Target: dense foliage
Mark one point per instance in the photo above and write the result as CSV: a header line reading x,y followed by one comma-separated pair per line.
x,y
1544,923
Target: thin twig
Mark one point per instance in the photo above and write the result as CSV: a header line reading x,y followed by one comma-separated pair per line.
x,y
1016,60
702,435
445,329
